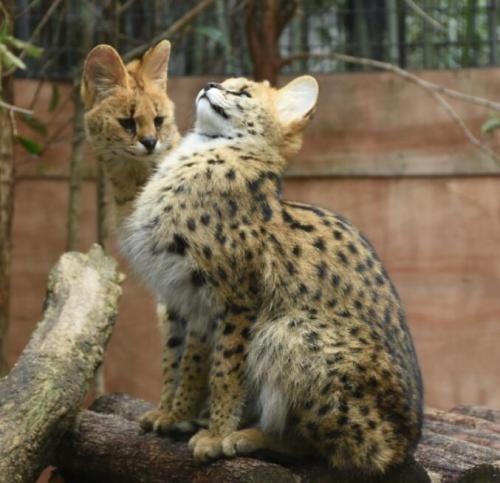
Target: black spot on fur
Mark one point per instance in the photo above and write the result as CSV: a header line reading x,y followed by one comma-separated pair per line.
x,y
221,272
174,342
300,206
178,245
231,174
342,257
233,208
191,224
360,267
324,409
267,212
319,243
198,278
342,420
321,270
228,328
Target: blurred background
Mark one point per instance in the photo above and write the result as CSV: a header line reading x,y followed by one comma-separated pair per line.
x,y
415,169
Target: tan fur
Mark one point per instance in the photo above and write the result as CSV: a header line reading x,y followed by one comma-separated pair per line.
x,y
305,327
112,91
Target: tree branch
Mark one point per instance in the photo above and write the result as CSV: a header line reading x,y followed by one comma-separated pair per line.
x,y
175,28
436,90
106,444
44,390
11,107
423,14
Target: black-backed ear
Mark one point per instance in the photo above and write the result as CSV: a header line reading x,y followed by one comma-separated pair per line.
x,y
103,71
155,63
296,101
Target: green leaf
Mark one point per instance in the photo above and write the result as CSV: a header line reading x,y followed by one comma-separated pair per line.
x,y
4,28
54,98
490,125
31,50
9,59
31,146
33,123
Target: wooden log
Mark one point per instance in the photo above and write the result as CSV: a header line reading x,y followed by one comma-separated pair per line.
x,y
106,444
454,448
479,412
44,390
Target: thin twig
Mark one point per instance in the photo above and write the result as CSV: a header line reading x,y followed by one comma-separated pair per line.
x,y
435,90
36,32
124,7
472,139
13,108
422,13
177,26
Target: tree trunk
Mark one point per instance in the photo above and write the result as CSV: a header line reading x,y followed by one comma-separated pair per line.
x,y
265,21
7,174
6,210
42,393
86,27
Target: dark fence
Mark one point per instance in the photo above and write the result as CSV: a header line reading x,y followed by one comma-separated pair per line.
x,y
419,34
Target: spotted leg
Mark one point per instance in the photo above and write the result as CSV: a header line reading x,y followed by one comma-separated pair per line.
x,y
227,387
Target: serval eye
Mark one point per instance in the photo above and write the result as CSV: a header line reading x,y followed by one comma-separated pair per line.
x,y
128,124
158,122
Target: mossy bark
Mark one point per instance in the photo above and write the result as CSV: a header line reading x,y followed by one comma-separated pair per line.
x,y
44,390
106,444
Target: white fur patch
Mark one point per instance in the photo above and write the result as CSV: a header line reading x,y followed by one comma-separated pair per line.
x,y
274,408
169,275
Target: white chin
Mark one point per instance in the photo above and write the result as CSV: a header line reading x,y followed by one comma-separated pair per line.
x,y
208,121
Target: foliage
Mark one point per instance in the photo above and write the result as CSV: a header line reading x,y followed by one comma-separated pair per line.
x,y
491,124
12,51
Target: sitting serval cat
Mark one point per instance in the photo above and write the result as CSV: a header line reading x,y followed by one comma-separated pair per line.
x,y
130,124
288,304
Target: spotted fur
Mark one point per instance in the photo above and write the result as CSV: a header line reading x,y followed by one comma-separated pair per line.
x,y
304,326
130,124
129,118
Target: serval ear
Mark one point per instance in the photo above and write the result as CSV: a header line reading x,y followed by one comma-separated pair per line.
x,y
297,100
103,71
155,63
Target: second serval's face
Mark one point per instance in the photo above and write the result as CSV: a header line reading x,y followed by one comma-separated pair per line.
x,y
129,113
241,108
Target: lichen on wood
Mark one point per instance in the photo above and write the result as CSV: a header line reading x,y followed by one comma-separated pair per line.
x,y
41,395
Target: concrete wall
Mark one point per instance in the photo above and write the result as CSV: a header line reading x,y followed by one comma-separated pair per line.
x,y
404,174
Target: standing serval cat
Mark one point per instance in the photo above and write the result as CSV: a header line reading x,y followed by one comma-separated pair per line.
x,y
130,124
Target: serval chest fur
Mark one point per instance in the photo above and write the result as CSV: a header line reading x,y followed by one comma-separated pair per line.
x,y
193,223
